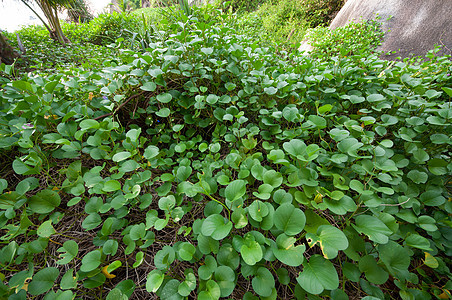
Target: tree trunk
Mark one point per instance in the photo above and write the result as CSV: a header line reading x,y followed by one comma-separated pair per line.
x,y
7,53
52,16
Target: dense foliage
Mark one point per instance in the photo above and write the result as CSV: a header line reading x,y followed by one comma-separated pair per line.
x,y
206,165
360,38
285,21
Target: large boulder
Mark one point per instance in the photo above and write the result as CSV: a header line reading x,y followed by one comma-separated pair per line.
x,y
415,25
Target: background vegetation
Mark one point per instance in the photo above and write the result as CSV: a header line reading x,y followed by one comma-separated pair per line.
x,y
185,152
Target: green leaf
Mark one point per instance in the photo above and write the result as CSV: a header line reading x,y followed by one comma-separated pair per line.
x,y
43,281
121,156
351,271
170,290
283,276
235,190
22,168
396,258
163,112
116,294
264,282
258,210
212,99
216,226
289,219
91,261
89,124
417,241
205,271
318,275
225,278
186,251
188,285
91,221
18,280
349,146
212,291
164,98
164,257
417,177
273,178
154,281
448,91
251,251
46,229
148,86
69,281
239,218
3,185
375,98
129,166
23,85
230,86
227,256
167,203
270,90
95,281
264,191
126,287
286,251
330,240
44,201
111,186
427,223
207,51
70,250
151,152
139,257
373,227
183,172
373,272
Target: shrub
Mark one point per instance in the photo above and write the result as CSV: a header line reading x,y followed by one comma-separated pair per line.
x,y
355,38
286,21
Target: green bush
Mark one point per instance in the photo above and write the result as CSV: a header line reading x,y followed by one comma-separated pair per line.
x,y
355,38
286,21
46,55
104,29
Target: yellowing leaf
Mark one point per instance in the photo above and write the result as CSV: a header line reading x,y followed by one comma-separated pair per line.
x,y
445,295
431,261
318,198
105,272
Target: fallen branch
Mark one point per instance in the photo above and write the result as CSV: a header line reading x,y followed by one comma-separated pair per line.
x,y
121,105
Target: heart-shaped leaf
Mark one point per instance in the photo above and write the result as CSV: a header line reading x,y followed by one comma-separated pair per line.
x,y
330,240
289,219
216,226
286,251
44,201
264,282
235,190
318,275
43,281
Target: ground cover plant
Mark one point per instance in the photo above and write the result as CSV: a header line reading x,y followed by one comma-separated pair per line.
x,y
209,166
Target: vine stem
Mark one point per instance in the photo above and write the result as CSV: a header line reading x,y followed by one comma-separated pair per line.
x,y
208,195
